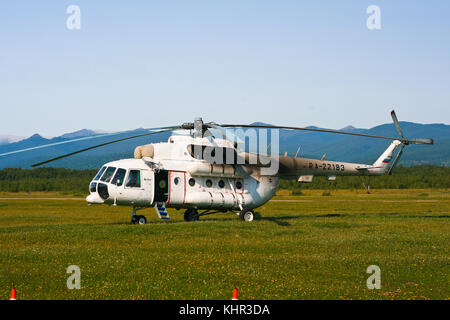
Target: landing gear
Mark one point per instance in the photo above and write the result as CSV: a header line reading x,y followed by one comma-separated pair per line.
x,y
366,184
137,219
191,215
141,220
247,215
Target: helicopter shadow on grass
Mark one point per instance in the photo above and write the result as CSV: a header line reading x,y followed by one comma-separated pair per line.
x,y
169,221
405,215
281,221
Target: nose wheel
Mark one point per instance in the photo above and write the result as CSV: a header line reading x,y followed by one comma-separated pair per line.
x,y
137,219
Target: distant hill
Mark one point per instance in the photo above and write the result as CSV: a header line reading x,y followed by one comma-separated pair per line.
x,y
313,144
91,159
6,139
367,150
79,134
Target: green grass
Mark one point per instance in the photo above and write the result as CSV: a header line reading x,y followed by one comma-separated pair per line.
x,y
310,247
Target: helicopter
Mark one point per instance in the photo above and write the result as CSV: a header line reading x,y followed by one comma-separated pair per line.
x,y
204,174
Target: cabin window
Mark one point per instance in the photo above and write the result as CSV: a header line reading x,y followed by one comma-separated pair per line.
x,y
209,183
108,174
99,174
238,185
162,184
176,180
134,179
119,177
221,184
93,187
192,182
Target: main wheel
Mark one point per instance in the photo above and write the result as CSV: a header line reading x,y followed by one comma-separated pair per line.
x,y
247,215
191,215
141,220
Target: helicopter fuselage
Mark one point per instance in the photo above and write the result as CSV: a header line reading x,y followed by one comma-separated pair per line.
x,y
173,175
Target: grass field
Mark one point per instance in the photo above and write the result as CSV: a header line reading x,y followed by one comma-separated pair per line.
x,y
303,247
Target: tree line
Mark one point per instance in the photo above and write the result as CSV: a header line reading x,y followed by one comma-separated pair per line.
x,y
77,181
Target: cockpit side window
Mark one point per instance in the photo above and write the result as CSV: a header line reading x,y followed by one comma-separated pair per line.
x,y
119,177
108,174
134,179
99,174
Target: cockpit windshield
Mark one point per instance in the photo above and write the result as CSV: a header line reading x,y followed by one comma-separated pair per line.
x,y
108,174
99,174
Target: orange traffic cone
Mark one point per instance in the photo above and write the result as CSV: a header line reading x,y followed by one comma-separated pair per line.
x,y
13,294
235,294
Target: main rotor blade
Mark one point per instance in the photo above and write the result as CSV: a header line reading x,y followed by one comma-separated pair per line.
x,y
397,157
420,141
82,139
305,129
222,131
397,124
100,145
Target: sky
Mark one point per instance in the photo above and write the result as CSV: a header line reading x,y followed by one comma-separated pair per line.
x,y
146,64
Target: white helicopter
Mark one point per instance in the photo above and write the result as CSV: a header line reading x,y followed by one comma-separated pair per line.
x,y
178,174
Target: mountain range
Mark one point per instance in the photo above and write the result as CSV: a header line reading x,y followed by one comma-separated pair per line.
x,y
312,144
7,138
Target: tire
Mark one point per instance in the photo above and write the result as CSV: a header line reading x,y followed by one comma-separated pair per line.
x,y
190,215
247,215
141,220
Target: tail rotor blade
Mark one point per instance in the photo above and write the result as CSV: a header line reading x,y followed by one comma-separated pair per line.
x,y
397,124
397,157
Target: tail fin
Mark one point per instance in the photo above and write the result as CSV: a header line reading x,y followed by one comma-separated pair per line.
x,y
384,160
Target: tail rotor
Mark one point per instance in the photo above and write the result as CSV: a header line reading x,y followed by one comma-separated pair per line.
x,y
404,141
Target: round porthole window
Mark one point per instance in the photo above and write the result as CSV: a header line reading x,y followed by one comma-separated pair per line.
x,y
238,185
176,180
209,183
192,182
221,184
162,184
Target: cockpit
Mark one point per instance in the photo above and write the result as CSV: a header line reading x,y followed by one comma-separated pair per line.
x,y
110,178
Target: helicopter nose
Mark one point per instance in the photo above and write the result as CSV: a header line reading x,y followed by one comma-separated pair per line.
x,y
94,198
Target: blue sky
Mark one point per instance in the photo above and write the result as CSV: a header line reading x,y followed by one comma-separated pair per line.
x,y
155,63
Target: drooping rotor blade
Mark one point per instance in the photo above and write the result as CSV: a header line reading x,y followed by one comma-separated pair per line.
x,y
83,139
397,124
420,141
305,129
101,145
397,157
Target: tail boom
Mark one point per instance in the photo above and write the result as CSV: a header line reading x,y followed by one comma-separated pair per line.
x,y
292,167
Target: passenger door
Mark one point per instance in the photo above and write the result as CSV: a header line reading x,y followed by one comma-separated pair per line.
x,y
161,186
177,187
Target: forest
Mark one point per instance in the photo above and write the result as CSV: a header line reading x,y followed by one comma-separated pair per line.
x,y
77,181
